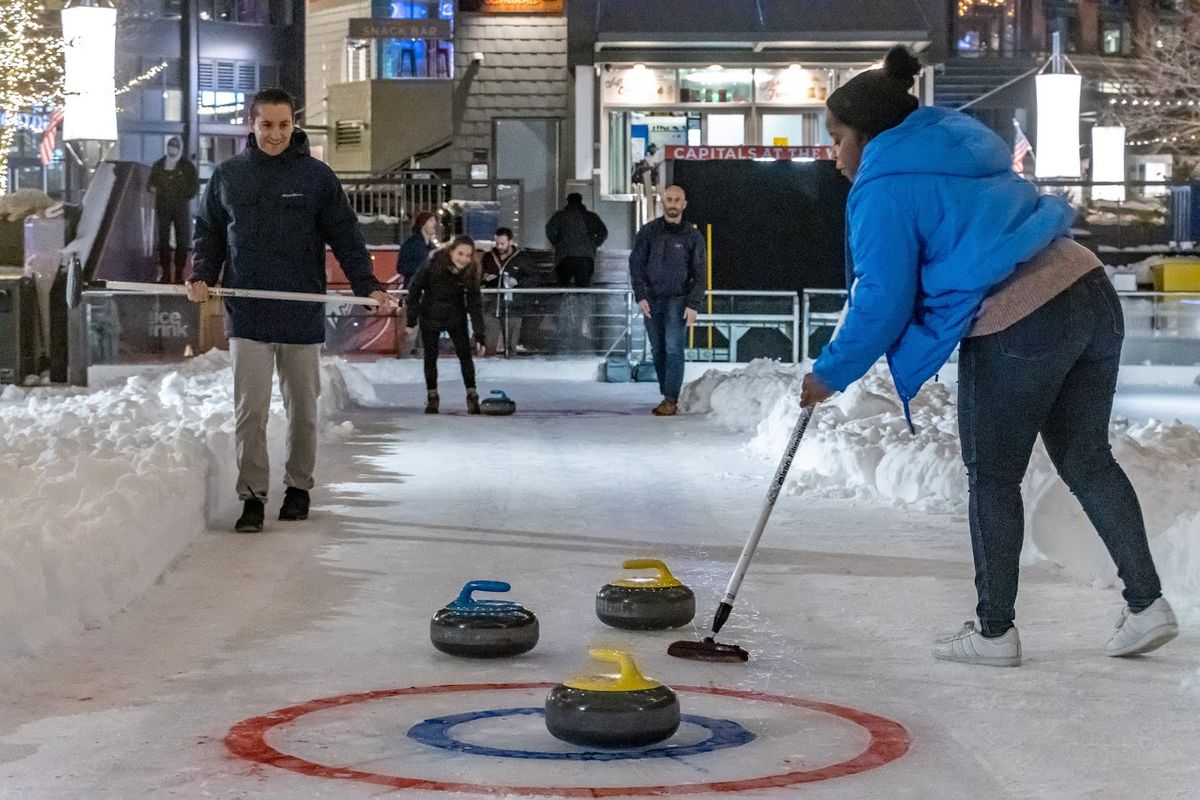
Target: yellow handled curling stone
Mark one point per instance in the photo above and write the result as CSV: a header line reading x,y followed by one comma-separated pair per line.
x,y
620,710
644,602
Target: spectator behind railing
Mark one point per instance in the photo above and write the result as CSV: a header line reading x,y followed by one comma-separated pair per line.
x,y
505,266
417,247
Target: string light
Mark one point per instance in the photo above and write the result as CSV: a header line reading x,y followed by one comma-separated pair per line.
x,y
145,76
30,69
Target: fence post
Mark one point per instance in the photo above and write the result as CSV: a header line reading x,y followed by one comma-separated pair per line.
x,y
628,324
796,346
805,325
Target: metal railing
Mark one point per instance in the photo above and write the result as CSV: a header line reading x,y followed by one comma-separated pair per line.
x,y
518,322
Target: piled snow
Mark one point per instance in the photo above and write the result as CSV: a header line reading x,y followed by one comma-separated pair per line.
x,y
858,445
104,488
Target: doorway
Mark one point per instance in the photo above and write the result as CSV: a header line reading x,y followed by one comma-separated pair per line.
x,y
527,148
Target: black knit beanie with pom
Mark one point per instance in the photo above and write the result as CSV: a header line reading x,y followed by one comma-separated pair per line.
x,y
878,99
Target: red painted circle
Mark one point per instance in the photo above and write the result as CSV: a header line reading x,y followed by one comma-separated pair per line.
x,y
248,739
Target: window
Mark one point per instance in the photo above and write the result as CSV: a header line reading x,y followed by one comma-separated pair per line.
x,y
726,129
222,107
172,105
415,58
223,10
358,60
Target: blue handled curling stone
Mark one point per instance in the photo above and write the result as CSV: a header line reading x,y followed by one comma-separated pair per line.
x,y
619,710
483,628
499,406
646,603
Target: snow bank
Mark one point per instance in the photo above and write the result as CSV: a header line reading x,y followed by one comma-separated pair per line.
x,y
859,446
104,488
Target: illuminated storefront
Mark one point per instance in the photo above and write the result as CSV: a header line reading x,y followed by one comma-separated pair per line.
x,y
643,105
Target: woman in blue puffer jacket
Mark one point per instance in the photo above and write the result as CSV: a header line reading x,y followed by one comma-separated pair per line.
x,y
951,247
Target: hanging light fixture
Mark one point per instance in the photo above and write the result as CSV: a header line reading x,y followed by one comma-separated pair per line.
x,y
90,43
1058,117
1108,161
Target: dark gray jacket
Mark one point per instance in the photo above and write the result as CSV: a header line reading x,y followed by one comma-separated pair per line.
x,y
263,224
575,232
668,261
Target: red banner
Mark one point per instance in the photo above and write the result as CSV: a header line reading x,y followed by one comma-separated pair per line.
x,y
748,153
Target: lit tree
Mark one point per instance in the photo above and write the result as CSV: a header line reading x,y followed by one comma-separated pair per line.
x,y
30,68
1160,103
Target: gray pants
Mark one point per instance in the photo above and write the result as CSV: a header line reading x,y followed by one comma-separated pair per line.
x,y
254,366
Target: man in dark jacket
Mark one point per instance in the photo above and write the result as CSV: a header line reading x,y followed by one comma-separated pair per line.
x,y
575,234
505,266
667,272
265,219
173,182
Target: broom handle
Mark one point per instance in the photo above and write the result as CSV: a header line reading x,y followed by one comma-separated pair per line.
x,y
739,572
225,291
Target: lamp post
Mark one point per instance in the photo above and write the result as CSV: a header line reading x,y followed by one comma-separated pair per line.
x,y
1058,117
89,94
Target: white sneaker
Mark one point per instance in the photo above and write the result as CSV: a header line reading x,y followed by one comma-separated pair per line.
x,y
969,646
1147,630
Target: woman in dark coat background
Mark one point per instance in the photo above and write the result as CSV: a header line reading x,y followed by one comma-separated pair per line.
x,y
444,295
417,247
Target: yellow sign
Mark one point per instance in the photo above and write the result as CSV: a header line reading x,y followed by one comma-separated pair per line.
x,y
513,6
780,141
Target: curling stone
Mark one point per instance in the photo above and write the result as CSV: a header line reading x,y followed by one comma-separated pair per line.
x,y
499,406
622,710
483,628
646,603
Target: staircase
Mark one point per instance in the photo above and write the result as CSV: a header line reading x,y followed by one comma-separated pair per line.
x,y
961,80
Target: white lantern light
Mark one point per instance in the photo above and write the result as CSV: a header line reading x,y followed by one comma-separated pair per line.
x,y
1108,161
90,101
1058,125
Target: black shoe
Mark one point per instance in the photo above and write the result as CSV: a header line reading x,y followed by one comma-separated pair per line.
x,y
473,402
251,520
431,403
295,504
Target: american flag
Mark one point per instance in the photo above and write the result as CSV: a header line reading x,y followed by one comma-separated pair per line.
x,y
49,137
1021,148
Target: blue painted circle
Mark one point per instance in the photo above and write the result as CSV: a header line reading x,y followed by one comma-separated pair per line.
x,y
435,732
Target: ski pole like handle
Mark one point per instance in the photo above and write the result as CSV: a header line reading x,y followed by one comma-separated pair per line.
x,y
739,572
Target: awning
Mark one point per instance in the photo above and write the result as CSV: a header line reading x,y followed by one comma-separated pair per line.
x,y
760,25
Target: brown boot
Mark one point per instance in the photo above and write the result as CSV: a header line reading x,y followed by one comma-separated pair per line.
x,y
473,402
667,408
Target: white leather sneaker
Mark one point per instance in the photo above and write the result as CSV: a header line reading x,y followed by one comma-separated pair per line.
x,y
969,646
1147,630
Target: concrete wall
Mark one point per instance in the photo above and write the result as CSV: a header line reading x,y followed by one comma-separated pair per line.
x,y
402,118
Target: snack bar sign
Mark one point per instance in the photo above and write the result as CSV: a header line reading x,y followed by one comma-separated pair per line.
x,y
749,153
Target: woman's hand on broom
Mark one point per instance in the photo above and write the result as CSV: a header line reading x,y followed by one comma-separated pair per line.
x,y
813,391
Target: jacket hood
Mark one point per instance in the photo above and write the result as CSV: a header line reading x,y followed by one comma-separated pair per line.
x,y
298,146
935,141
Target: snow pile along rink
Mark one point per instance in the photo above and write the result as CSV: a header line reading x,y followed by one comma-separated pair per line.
x,y
104,488
859,445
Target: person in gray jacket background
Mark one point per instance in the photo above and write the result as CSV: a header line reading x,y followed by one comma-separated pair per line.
x,y
666,270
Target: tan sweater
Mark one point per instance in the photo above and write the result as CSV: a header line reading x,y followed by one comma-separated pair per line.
x,y
1033,284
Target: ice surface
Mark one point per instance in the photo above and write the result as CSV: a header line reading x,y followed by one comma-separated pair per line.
x,y
839,606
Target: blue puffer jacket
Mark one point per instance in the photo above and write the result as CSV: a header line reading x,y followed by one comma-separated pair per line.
x,y
263,224
936,219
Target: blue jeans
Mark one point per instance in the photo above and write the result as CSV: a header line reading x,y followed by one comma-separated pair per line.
x,y
1054,373
667,331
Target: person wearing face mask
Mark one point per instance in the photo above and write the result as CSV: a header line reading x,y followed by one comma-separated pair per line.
x,y
174,182
264,222
951,248
445,296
